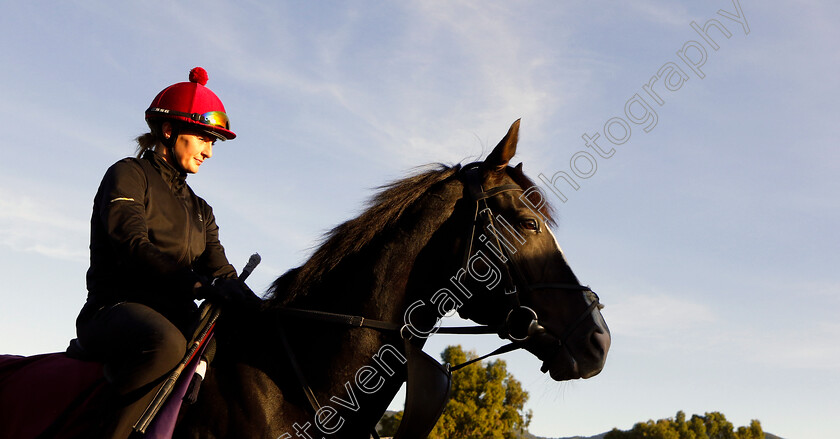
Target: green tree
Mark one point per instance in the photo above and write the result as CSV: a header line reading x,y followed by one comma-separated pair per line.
x,y
754,431
710,426
717,427
486,402
686,430
389,423
698,427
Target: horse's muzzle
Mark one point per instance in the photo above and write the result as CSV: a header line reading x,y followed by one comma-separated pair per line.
x,y
583,354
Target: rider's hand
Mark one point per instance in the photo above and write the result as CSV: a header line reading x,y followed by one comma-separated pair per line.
x,y
229,292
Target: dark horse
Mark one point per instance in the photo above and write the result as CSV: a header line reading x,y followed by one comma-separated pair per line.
x,y
473,239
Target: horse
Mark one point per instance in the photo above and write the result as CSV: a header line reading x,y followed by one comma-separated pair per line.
x,y
335,338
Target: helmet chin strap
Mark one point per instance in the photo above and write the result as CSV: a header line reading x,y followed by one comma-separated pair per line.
x,y
169,144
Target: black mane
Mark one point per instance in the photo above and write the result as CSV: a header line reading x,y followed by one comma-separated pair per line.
x,y
384,209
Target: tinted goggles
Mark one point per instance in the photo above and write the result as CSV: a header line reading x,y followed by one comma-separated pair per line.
x,y
212,118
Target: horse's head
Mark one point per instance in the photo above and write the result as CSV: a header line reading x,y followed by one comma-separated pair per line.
x,y
517,275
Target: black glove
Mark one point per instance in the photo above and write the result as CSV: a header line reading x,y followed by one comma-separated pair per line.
x,y
186,281
230,293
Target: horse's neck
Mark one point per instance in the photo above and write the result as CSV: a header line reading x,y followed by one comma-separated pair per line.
x,y
355,371
334,355
352,369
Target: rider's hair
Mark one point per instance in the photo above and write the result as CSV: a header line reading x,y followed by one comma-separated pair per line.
x,y
145,142
155,137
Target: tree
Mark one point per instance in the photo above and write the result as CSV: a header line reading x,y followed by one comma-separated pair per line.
x,y
486,402
389,423
754,431
711,426
717,427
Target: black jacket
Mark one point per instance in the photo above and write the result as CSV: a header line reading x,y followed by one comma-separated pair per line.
x,y
151,239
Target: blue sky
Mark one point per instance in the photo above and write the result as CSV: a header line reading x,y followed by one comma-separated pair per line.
x,y
711,237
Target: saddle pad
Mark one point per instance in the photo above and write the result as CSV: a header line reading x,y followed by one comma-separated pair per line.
x,y
36,391
163,425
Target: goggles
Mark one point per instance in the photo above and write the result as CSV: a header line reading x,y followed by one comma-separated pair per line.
x,y
213,118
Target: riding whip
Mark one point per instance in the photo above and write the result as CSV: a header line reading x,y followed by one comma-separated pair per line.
x,y
165,390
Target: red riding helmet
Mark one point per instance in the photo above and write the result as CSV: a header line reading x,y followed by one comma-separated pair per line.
x,y
193,104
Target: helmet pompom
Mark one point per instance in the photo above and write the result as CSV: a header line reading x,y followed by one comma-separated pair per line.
x,y
198,75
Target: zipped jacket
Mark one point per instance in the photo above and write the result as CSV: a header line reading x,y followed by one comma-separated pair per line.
x,y
152,238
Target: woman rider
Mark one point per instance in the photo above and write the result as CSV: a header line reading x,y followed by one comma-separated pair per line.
x,y
154,249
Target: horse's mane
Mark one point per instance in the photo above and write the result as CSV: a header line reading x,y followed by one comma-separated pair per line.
x,y
384,209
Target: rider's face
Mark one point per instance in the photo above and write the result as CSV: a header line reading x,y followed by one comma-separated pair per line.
x,y
190,150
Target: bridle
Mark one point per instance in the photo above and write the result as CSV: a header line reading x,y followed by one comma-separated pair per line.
x,y
520,324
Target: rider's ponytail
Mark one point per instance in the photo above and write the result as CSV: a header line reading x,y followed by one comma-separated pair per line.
x,y
145,142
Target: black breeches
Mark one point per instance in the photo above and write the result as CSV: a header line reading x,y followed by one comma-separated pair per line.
x,y
139,348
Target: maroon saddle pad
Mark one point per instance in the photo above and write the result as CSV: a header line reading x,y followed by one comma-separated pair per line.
x,y
39,391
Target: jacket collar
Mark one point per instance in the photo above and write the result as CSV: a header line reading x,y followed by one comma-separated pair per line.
x,y
173,177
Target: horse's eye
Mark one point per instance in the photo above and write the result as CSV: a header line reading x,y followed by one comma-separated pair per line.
x,y
530,224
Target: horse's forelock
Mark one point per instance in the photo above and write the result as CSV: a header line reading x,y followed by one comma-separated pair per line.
x,y
534,197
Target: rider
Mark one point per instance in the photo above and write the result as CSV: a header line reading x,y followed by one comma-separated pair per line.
x,y
154,249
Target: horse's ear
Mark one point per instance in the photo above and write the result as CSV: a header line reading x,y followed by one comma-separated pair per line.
x,y
505,150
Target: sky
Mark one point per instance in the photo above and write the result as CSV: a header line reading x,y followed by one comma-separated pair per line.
x,y
705,213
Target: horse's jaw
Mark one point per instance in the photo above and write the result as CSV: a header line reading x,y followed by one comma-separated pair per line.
x,y
573,360
563,367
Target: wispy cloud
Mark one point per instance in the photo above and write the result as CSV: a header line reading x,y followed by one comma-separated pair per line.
x,y
425,88
658,316
39,225
801,336
808,346
661,12
663,322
